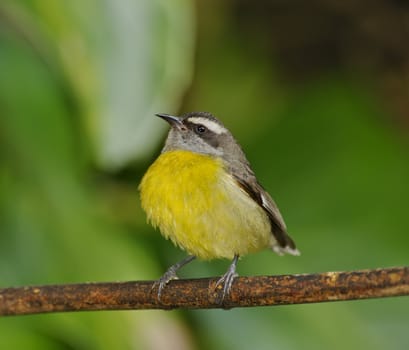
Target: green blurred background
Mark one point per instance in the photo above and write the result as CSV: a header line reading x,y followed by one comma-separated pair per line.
x,y
317,93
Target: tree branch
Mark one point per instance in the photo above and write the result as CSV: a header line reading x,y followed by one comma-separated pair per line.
x,y
201,293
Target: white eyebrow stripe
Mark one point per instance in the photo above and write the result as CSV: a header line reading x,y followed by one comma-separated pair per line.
x,y
210,124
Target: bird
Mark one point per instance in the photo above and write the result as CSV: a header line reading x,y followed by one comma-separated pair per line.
x,y
203,195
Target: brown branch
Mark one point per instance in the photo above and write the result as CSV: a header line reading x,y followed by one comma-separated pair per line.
x,y
200,293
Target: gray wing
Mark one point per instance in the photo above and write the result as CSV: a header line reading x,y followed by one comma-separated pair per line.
x,y
251,186
240,169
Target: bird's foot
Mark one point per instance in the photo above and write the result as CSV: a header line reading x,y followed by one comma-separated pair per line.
x,y
170,275
227,280
161,283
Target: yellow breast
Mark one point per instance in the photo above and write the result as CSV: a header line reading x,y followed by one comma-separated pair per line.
x,y
200,207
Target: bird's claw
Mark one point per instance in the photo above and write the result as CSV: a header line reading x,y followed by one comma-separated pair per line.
x,y
164,280
227,281
170,275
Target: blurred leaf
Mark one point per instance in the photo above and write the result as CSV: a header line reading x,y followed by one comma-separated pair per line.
x,y
51,228
132,60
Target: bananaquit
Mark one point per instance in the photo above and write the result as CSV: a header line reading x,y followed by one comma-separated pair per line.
x,y
203,195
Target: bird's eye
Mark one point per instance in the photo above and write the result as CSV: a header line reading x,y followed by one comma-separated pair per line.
x,y
200,129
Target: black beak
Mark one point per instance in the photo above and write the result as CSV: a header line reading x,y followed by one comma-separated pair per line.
x,y
172,120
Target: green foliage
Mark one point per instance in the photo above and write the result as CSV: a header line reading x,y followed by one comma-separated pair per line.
x,y
57,69
79,83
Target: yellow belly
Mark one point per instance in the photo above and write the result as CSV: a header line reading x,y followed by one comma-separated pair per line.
x,y
198,205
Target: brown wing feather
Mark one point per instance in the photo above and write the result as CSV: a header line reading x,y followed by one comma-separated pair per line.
x,y
262,198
